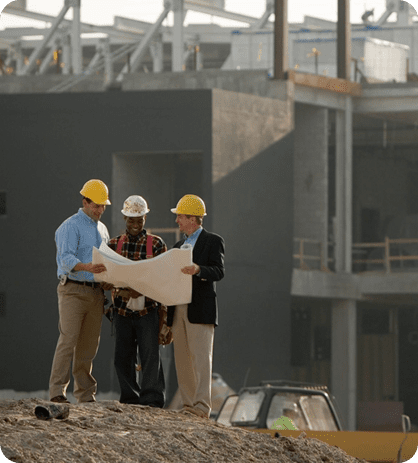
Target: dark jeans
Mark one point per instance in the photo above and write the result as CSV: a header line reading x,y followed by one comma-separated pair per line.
x,y
139,335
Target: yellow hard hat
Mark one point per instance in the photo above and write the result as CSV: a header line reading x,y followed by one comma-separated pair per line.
x,y
97,191
190,205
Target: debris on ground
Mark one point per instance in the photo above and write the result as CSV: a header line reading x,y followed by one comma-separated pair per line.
x,y
110,432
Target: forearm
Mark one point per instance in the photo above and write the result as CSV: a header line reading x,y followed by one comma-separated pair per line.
x,y
90,267
80,267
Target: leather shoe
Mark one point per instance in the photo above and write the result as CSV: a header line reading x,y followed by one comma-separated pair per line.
x,y
60,399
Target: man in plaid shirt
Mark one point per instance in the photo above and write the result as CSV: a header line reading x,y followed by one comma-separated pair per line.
x,y
136,317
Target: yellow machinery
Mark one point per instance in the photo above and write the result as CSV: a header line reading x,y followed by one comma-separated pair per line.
x,y
313,410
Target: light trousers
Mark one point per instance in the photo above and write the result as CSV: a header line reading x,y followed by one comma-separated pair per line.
x,y
193,353
80,321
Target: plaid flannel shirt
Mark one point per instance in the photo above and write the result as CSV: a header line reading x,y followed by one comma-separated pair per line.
x,y
135,248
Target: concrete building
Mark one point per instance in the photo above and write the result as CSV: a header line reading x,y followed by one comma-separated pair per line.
x,y
311,180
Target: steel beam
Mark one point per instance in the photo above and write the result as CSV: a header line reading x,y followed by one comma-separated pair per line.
x,y
41,47
85,27
99,65
95,60
15,53
261,23
47,60
198,58
177,60
67,52
108,71
281,40
221,13
76,47
344,40
141,49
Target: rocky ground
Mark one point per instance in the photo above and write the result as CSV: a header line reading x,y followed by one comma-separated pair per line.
x,y
109,432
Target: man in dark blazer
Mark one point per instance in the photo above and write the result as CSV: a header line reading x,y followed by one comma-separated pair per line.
x,y
193,325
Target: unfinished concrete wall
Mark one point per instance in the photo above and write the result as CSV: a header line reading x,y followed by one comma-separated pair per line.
x,y
311,177
243,126
380,183
161,178
252,82
253,210
44,83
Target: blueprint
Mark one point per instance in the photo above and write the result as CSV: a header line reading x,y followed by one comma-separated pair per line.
x,y
159,278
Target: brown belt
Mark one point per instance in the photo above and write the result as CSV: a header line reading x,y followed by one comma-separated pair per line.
x,y
85,283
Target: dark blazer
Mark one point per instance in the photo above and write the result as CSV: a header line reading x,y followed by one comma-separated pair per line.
x,y
208,253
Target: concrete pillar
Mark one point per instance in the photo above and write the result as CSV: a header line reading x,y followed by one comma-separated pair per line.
x,y
178,36
344,188
343,360
311,177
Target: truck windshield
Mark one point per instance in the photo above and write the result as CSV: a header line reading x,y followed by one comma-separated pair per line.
x,y
224,416
248,406
307,412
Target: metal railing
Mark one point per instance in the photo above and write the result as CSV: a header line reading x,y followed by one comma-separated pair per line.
x,y
312,259
393,251
396,255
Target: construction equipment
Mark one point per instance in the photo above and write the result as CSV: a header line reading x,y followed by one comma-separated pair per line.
x,y
311,409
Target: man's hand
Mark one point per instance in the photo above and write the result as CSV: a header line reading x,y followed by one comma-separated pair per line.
x,y
107,286
191,269
96,268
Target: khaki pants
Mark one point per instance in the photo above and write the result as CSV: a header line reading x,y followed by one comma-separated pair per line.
x,y
193,352
80,321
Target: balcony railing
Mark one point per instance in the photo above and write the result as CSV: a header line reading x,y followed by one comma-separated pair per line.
x,y
309,254
393,255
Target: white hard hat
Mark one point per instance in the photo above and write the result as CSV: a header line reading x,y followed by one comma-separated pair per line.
x,y
135,206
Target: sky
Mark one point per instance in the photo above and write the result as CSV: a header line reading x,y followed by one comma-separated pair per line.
x,y
101,12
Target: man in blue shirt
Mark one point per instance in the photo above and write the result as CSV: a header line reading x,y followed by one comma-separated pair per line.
x,y
80,298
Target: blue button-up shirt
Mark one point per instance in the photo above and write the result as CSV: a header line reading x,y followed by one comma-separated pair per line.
x,y
193,237
75,239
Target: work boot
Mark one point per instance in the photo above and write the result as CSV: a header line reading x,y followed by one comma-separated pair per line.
x,y
61,399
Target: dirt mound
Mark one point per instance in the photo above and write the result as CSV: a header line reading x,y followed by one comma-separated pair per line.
x,y
107,432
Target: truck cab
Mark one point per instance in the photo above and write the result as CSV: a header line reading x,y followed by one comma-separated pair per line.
x,y
310,407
